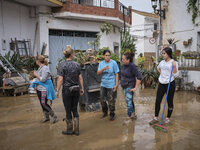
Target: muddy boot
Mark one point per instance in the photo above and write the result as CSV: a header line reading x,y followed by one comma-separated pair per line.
x,y
105,114
112,116
69,130
53,117
46,117
76,126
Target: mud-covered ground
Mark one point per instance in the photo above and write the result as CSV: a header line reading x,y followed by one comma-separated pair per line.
x,y
20,127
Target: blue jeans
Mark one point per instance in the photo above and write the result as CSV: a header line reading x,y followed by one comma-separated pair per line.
x,y
129,101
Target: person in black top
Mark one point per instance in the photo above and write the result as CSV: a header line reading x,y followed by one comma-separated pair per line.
x,y
70,77
130,81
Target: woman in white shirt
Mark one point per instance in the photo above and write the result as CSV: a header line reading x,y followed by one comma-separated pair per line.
x,y
165,68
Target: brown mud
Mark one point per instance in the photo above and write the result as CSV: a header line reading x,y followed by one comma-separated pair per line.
x,y
20,127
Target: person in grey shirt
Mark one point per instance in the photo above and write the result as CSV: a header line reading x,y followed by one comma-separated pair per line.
x,y
70,79
43,74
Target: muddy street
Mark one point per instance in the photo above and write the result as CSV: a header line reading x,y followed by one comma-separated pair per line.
x,y
20,127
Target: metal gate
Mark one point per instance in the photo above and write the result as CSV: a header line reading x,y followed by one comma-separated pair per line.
x,y
58,41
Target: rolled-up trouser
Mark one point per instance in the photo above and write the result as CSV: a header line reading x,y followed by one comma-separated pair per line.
x,y
42,96
129,101
70,101
107,95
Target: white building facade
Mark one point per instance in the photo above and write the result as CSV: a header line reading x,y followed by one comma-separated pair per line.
x,y
178,25
144,29
56,25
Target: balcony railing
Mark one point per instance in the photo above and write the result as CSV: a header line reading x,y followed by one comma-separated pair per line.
x,y
98,3
123,9
189,62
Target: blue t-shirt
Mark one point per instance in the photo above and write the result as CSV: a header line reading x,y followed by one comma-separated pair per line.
x,y
108,76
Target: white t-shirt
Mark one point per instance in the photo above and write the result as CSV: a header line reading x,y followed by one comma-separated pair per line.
x,y
166,68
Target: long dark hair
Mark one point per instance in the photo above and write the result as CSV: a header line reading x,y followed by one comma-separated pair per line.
x,y
168,50
129,56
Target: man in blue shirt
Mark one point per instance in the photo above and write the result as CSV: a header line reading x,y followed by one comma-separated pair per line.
x,y
108,68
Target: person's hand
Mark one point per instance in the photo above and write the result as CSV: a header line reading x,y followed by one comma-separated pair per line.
x,y
35,74
115,88
81,92
133,90
57,94
106,68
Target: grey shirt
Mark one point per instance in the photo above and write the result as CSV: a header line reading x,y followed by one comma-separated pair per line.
x,y
44,74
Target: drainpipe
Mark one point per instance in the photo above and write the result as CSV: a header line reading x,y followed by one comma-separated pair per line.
x,y
124,20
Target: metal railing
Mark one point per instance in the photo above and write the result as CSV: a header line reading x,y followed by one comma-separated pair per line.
x,y
123,9
98,3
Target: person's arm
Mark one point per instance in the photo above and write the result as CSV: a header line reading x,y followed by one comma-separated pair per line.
x,y
45,74
99,72
81,83
159,70
59,83
136,85
116,82
174,67
138,78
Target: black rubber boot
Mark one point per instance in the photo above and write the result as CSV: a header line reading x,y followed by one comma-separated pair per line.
x,y
76,126
105,114
53,117
46,117
69,130
112,116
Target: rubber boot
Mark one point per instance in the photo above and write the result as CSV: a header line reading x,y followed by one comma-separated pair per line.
x,y
112,116
53,117
69,130
105,114
46,117
76,126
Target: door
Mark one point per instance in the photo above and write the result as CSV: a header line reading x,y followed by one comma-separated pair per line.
x,y
58,41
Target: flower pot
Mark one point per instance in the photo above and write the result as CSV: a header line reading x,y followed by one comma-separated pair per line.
x,y
185,43
177,53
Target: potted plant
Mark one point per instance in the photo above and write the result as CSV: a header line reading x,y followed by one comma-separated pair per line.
x,y
149,77
185,43
178,52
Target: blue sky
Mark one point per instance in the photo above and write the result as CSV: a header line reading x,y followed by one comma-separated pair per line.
x,y
142,5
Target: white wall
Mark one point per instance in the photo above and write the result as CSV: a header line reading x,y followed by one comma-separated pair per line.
x,y
149,34
178,24
47,22
194,76
141,23
15,23
137,30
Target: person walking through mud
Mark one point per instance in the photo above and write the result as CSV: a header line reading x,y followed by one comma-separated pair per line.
x,y
165,68
108,68
45,88
70,78
130,81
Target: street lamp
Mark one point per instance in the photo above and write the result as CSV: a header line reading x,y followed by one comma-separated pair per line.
x,y
161,13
